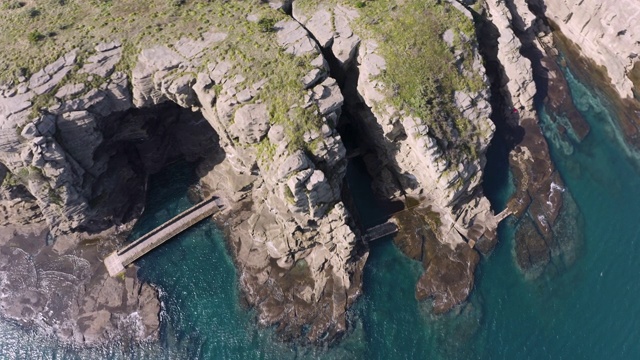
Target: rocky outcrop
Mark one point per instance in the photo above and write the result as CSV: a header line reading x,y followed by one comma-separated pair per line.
x,y
605,33
63,288
275,141
256,105
540,192
409,155
295,243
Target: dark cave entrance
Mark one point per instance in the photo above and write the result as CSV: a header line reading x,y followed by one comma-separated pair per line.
x,y
138,143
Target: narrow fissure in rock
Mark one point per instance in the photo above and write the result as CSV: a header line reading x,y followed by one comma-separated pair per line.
x,y
353,132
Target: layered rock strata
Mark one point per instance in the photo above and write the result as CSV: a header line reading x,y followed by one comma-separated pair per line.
x,y
605,33
408,155
79,136
528,72
277,147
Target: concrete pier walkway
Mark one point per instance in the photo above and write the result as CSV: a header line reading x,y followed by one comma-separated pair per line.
x,y
380,231
118,260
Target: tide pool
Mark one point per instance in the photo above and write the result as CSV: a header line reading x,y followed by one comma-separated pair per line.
x,y
585,306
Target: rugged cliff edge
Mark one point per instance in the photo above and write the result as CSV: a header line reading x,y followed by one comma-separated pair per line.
x,y
257,93
605,33
81,135
417,94
96,121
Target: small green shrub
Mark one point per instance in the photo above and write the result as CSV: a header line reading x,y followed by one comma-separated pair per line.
x,y
266,24
289,195
11,180
35,36
12,5
177,3
361,4
33,12
54,197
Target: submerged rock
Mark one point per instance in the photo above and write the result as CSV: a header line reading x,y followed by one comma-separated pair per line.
x,y
448,276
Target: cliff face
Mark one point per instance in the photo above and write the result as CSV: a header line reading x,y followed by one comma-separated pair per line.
x,y
425,142
258,97
76,135
605,33
524,68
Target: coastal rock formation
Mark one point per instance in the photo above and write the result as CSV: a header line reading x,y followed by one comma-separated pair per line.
x,y
275,135
64,288
538,185
605,33
540,193
258,98
435,157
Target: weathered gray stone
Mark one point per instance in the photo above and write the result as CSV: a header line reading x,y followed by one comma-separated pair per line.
x,y
29,131
69,90
104,62
276,134
294,38
296,162
251,123
190,48
328,96
46,125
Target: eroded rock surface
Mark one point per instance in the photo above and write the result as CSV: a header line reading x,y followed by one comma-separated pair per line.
x,y
605,33
540,192
64,288
269,147
411,156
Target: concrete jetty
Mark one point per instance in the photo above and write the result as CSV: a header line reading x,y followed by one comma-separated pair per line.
x,y
118,260
380,231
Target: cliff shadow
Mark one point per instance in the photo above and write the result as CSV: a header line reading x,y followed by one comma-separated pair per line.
x,y
137,143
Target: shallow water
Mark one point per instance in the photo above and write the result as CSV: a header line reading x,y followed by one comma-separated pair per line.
x,y
583,307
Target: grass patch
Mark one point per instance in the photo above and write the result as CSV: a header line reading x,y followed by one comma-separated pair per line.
x,y
81,24
422,71
288,195
266,24
35,36
54,197
11,180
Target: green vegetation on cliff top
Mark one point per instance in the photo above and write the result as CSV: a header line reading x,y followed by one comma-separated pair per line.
x,y
250,46
422,70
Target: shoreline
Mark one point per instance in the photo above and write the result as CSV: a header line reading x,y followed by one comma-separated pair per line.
x,y
595,76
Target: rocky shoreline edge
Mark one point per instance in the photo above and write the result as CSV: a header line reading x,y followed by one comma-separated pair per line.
x,y
290,231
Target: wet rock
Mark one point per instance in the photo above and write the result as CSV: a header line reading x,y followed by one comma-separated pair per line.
x,y
559,99
607,36
448,276
532,251
63,294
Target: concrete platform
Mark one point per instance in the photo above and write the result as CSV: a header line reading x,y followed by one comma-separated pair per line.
x,y
118,260
114,264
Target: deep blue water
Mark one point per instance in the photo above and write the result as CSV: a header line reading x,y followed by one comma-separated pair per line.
x,y
585,306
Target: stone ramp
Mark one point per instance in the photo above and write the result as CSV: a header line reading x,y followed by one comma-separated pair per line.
x,y
118,260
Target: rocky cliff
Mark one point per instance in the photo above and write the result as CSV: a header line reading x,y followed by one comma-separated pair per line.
x,y
424,135
525,74
78,131
604,33
257,93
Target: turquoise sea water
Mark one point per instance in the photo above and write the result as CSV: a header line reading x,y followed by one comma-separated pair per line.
x,y
586,306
